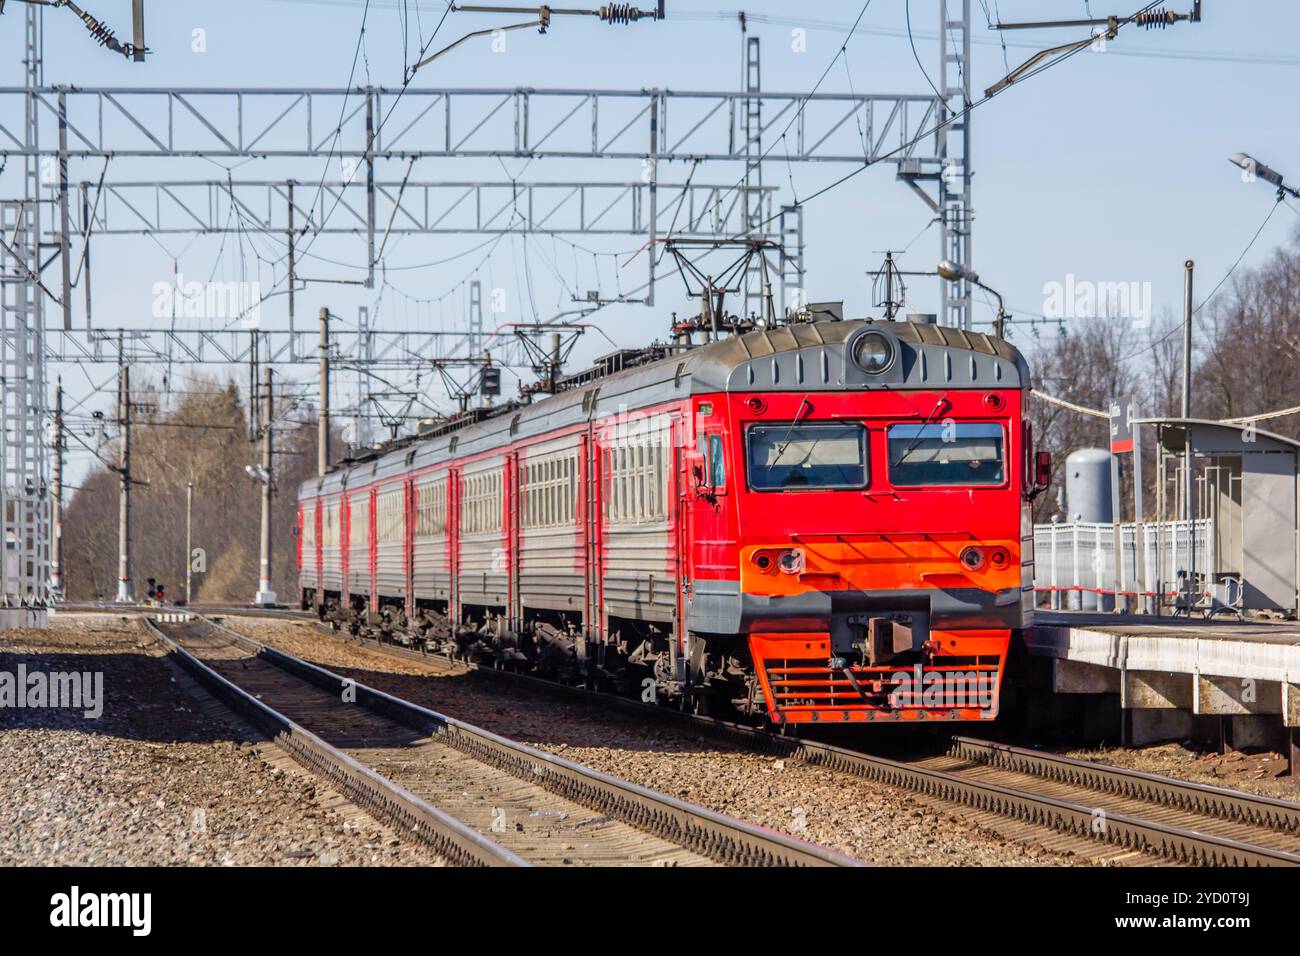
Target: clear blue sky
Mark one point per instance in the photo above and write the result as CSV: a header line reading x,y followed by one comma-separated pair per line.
x,y
1110,166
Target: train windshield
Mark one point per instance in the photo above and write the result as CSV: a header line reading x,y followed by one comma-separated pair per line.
x,y
807,456
946,453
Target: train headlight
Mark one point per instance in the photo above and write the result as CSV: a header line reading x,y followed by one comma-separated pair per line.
x,y
873,352
791,562
972,559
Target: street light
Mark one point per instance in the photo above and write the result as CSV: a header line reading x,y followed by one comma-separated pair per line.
x,y
1254,168
955,272
258,474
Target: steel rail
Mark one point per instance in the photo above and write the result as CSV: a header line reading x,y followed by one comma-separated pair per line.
x,y
714,835
381,797
1179,844
1168,791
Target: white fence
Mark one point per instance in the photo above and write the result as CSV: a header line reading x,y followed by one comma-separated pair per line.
x,y
1075,566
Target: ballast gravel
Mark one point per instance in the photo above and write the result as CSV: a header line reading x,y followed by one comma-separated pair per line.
x,y
164,776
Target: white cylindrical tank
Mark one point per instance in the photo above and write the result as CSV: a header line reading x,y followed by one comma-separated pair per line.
x,y
1087,499
1087,485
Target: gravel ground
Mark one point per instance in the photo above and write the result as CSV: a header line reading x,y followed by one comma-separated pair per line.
x,y
1263,773
164,776
875,824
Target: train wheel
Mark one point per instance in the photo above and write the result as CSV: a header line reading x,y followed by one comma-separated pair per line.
x,y
697,701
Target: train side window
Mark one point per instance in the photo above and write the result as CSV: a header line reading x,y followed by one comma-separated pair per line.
x,y
717,464
637,463
569,482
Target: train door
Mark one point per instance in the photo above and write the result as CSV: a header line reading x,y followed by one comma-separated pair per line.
x,y
318,555
681,492
708,493
592,506
372,550
453,547
345,549
409,504
510,487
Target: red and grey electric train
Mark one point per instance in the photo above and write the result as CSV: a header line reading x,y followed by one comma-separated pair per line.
x,y
818,522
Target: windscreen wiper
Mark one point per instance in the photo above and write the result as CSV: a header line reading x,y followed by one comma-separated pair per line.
x,y
785,441
920,431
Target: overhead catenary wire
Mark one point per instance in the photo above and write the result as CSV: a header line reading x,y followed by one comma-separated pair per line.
x,y
1213,292
954,117
242,237
803,104
1098,413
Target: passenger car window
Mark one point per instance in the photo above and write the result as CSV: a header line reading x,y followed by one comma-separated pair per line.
x,y
798,456
947,453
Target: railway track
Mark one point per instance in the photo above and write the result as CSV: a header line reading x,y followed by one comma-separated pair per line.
x,y
1160,817
476,797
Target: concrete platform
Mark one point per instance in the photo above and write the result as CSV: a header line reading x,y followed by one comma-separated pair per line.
x,y
1261,650
1170,673
11,617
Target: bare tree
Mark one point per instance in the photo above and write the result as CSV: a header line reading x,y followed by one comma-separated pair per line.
x,y
201,435
1252,342
1085,366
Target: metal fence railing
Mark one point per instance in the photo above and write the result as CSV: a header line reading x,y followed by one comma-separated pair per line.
x,y
1075,566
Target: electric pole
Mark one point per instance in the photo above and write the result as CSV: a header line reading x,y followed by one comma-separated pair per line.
x,y
56,505
266,596
292,270
124,594
189,541
323,425
1189,480
1188,268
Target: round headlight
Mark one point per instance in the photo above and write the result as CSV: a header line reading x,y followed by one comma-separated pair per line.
x,y
873,353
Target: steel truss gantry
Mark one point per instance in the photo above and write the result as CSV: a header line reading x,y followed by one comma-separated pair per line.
x,y
25,531
378,122
925,136
699,210
374,348
379,125
24,497
653,126
951,174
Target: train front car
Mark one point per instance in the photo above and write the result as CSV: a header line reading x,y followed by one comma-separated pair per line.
x,y
860,520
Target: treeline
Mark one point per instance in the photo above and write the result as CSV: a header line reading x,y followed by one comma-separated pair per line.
x,y
200,434
1246,342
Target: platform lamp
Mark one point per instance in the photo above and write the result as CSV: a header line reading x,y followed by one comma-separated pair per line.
x,y
1255,169
954,272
